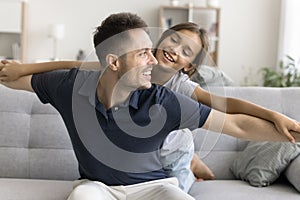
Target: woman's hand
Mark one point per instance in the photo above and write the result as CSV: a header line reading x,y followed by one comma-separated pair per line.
x,y
10,70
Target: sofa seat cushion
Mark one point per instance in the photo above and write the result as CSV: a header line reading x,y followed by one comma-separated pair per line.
x,y
237,190
33,189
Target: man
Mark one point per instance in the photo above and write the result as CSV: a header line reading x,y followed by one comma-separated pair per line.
x,y
117,120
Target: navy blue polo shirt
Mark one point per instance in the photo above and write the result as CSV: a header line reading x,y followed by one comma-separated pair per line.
x,y
119,146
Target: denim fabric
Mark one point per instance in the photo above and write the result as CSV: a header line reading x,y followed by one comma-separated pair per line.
x,y
176,155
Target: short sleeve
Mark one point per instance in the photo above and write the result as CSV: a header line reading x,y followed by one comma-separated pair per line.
x,y
193,113
47,85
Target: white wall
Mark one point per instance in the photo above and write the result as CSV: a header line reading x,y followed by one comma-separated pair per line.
x,y
289,42
249,37
249,29
80,18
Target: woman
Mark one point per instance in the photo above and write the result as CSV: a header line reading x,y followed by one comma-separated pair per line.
x,y
174,60
179,51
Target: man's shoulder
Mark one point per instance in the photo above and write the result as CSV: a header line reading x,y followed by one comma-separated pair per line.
x,y
85,74
66,73
70,73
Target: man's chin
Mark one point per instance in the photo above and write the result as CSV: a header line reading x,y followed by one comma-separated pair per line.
x,y
146,86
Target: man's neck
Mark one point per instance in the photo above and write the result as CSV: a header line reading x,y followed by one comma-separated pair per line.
x,y
110,93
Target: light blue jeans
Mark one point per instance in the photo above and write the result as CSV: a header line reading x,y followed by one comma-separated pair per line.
x,y
176,155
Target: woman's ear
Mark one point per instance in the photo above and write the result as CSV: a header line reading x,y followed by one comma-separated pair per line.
x,y
111,61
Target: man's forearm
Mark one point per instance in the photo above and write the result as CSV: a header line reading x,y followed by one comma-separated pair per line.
x,y
252,128
23,83
10,70
248,127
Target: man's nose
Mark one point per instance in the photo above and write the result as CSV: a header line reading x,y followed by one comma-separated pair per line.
x,y
152,59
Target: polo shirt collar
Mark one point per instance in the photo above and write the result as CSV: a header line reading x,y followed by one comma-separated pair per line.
x,y
89,88
134,99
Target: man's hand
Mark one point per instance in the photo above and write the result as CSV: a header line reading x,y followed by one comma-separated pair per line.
x,y
11,76
10,70
286,125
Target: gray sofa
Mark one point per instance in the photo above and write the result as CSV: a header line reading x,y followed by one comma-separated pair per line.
x,y
37,161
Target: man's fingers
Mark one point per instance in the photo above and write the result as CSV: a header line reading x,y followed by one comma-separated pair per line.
x,y
3,78
289,136
295,127
2,74
4,61
2,65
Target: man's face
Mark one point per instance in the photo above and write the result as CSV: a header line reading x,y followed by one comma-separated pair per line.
x,y
136,64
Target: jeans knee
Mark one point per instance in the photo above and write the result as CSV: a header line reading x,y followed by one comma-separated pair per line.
x,y
87,192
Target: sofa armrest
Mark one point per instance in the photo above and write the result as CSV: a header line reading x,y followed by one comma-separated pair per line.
x,y
293,174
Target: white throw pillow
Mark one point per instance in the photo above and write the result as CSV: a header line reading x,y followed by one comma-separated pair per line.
x,y
262,162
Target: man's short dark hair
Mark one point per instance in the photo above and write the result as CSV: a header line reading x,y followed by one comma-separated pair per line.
x,y
115,24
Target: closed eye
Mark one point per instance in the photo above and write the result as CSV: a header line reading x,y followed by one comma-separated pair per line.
x,y
187,52
175,38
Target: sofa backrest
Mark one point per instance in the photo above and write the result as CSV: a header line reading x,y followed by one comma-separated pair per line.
x,y
33,139
217,150
34,142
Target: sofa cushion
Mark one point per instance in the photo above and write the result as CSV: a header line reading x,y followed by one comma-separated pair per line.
x,y
240,190
26,189
292,173
14,162
262,162
217,151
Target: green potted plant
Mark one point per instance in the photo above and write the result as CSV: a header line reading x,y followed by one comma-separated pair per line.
x,y
286,76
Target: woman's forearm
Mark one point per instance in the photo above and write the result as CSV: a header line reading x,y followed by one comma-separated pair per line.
x,y
238,106
234,106
229,105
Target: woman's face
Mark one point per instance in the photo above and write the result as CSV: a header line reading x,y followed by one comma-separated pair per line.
x,y
179,50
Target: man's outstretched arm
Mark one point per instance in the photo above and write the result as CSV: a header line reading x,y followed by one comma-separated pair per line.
x,y
23,83
11,70
249,128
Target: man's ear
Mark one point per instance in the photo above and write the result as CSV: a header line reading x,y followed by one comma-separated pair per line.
x,y
111,60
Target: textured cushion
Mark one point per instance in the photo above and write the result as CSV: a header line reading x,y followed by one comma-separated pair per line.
x,y
293,173
34,142
262,162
